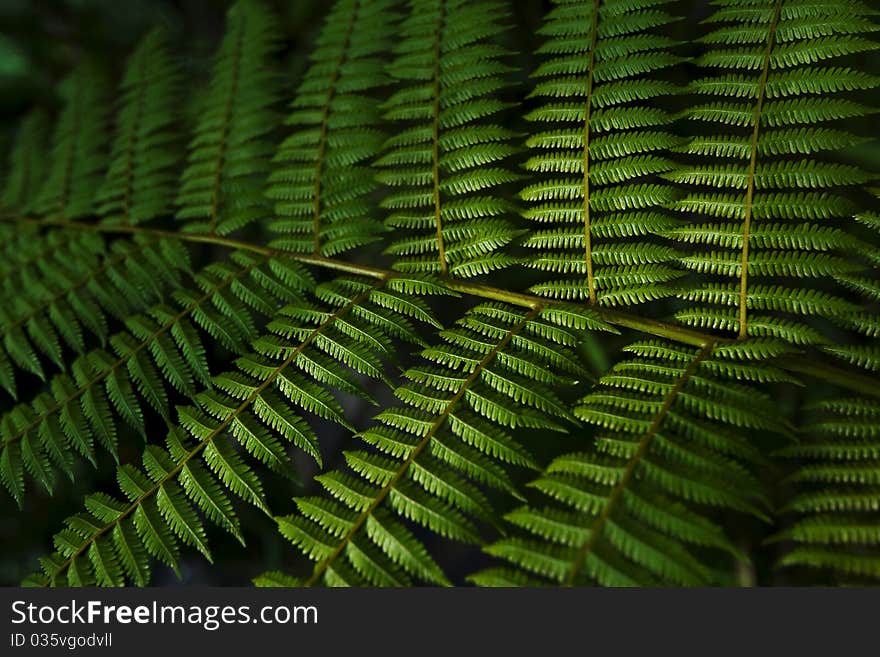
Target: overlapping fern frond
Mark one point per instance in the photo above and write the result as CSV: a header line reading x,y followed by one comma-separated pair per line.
x,y
27,162
445,163
162,349
599,142
426,461
221,189
767,203
322,182
261,406
75,284
224,302
631,509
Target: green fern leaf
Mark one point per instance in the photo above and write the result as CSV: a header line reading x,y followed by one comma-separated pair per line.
x,y
140,180
633,509
445,165
222,184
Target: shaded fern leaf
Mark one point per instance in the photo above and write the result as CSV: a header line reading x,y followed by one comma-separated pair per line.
x,y
286,379
634,509
832,513
767,207
221,189
141,178
598,147
63,285
161,350
78,158
27,162
427,461
115,539
864,285
445,163
322,184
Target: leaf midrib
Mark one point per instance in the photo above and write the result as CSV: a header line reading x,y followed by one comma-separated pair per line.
x,y
644,444
750,174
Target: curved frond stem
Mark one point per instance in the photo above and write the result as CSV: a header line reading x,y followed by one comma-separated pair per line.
x,y
846,378
591,64
422,444
634,461
145,343
222,426
750,173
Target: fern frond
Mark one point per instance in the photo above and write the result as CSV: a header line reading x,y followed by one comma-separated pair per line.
x,y
221,189
833,511
27,162
767,202
600,147
446,162
60,286
322,183
428,459
632,510
287,377
141,178
162,348
78,158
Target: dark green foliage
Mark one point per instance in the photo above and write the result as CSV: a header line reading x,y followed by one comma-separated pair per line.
x,y
445,162
141,176
426,461
834,509
631,510
771,208
27,161
78,157
221,189
649,357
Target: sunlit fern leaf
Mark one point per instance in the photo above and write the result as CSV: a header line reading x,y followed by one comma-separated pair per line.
x,y
427,461
221,189
27,162
835,494
59,287
633,507
445,163
322,184
261,407
162,350
599,143
141,178
766,205
78,159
